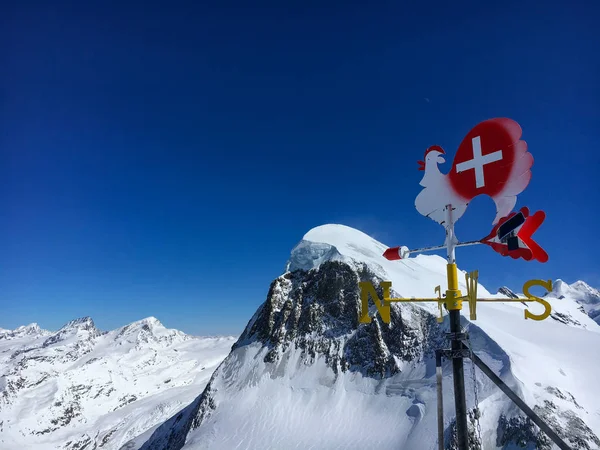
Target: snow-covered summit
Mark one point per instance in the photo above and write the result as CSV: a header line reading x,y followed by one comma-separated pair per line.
x,y
33,329
75,332
149,331
582,293
331,242
150,324
412,277
580,290
82,323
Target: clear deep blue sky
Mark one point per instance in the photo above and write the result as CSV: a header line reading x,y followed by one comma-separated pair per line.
x,y
163,159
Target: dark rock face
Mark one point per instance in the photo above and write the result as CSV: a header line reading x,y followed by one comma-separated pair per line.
x,y
521,431
506,291
567,319
563,395
451,435
82,324
317,311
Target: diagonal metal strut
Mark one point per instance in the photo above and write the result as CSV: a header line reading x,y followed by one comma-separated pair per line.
x,y
466,352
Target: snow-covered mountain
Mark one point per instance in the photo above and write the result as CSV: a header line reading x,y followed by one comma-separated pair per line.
x,y
507,292
33,329
586,296
83,388
306,374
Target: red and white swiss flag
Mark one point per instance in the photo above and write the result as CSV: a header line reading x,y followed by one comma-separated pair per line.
x,y
487,158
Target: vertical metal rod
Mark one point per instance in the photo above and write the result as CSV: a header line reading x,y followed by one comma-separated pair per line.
x,y
454,306
458,373
450,239
440,398
520,403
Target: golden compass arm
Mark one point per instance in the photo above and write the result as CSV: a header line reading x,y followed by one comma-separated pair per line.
x,y
383,305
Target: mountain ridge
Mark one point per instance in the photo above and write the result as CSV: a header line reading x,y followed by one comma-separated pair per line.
x,y
96,388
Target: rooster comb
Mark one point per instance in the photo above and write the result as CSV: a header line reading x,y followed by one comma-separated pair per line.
x,y
434,148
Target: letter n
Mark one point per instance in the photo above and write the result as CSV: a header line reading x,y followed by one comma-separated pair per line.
x,y
383,307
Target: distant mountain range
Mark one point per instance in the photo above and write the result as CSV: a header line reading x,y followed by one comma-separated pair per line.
x,y
81,388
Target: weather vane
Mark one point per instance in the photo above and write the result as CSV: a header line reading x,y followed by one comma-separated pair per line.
x,y
491,160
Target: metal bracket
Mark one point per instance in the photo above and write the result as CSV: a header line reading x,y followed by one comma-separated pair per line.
x,y
457,336
453,354
438,290
471,280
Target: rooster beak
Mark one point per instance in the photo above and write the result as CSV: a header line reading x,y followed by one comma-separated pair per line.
x,y
421,165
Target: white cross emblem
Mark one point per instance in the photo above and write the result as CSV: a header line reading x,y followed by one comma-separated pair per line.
x,y
478,162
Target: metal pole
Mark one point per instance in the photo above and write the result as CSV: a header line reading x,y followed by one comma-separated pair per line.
x,y
520,403
440,399
459,384
454,306
450,239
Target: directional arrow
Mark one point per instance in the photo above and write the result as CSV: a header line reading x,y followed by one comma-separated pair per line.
x,y
512,236
532,223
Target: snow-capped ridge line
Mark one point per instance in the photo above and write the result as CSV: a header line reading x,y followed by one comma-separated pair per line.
x,y
83,323
32,329
79,387
587,297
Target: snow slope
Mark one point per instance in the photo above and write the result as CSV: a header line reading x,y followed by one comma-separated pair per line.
x,y
83,388
305,374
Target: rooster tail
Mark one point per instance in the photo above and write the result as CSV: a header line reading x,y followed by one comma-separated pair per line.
x,y
504,205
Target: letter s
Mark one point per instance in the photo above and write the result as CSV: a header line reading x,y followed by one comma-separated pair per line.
x,y
547,308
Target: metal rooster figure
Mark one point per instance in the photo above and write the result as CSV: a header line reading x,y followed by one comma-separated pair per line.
x,y
491,160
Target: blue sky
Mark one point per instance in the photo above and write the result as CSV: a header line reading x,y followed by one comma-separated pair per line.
x,y
163,160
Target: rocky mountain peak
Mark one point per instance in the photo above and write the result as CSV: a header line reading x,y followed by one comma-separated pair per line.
x,y
589,294
582,293
33,329
148,331
559,287
83,323
78,330
507,292
580,289
151,322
